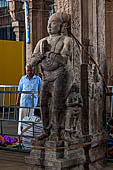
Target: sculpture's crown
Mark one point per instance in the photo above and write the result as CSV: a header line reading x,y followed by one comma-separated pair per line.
x,y
60,16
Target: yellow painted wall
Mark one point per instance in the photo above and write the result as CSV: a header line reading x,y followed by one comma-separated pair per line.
x,y
11,62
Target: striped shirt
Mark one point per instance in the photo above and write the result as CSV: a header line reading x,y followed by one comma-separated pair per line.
x,y
32,132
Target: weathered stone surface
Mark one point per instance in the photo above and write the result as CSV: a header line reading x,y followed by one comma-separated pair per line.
x,y
64,5
74,104
97,166
87,22
54,55
76,31
109,40
54,159
97,153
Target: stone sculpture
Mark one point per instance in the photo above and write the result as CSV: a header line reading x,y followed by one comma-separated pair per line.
x,y
54,55
74,104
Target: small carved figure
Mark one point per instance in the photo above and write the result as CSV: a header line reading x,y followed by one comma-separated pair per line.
x,y
74,103
54,55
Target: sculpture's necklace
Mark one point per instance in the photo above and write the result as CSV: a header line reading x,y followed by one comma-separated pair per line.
x,y
53,42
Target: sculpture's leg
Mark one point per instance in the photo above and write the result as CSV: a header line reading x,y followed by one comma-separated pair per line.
x,y
58,111
44,108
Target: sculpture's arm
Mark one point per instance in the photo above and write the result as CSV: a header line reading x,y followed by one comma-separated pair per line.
x,y
37,57
66,51
67,47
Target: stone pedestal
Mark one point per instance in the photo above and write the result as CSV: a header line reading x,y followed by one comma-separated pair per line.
x,y
55,156
67,155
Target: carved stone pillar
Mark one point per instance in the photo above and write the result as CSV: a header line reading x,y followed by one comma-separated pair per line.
x,y
87,25
92,88
109,40
17,15
64,5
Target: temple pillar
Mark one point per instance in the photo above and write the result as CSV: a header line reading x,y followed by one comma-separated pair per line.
x,y
17,18
81,147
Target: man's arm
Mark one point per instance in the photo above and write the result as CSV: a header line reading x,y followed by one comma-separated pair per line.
x,y
18,99
20,88
39,87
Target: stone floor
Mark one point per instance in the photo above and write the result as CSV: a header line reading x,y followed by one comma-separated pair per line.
x,y
11,160
108,166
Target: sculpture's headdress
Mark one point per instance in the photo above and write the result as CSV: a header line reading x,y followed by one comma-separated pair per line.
x,y
63,18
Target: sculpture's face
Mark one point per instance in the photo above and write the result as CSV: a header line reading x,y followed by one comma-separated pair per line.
x,y
54,26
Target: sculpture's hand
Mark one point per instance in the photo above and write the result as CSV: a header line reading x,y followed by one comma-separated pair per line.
x,y
45,47
36,59
41,57
58,57
61,59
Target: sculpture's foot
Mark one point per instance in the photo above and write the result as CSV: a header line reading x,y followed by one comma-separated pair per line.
x,y
42,136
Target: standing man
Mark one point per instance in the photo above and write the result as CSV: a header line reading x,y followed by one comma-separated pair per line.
x,y
29,82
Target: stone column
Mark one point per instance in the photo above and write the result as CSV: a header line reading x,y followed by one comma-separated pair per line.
x,y
64,5
88,26
93,39
17,16
109,39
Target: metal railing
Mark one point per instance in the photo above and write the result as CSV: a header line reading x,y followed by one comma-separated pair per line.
x,y
9,116
8,96
109,117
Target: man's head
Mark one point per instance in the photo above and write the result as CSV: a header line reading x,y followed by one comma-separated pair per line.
x,y
56,22
30,70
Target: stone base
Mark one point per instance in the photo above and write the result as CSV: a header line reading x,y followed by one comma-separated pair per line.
x,y
59,155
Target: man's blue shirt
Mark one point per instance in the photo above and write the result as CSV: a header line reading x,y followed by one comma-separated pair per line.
x,y
34,84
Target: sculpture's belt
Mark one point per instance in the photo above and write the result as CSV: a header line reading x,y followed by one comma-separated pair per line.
x,y
52,75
